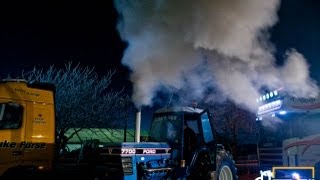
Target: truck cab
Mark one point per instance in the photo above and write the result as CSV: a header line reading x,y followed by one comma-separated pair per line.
x,y
27,126
28,142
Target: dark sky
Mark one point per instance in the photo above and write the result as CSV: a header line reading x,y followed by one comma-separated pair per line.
x,y
299,28
55,33
45,33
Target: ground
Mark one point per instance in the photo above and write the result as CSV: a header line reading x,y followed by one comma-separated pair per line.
x,y
248,176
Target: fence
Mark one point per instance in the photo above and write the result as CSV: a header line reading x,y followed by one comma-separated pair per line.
x,y
248,164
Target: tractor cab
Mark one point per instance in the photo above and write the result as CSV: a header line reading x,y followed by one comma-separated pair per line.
x,y
168,125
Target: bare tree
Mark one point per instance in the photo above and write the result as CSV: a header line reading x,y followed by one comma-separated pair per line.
x,y
82,99
230,123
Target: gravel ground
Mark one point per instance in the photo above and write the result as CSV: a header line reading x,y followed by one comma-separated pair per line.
x,y
248,176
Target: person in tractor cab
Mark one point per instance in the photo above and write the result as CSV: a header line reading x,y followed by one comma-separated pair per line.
x,y
171,132
190,140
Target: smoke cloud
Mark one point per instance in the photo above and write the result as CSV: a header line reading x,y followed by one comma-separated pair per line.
x,y
197,45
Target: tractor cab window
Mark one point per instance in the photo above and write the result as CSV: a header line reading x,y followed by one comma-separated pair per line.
x,y
207,131
166,128
192,121
193,125
10,115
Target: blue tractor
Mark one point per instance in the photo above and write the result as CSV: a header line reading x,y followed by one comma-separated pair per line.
x,y
169,155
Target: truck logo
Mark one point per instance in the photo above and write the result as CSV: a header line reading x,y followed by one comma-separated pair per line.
x,y
39,117
27,92
39,120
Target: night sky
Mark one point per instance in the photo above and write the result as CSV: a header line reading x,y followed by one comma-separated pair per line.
x,y
35,34
299,27
45,33
42,34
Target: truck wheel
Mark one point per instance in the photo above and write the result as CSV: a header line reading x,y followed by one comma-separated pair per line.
x,y
227,170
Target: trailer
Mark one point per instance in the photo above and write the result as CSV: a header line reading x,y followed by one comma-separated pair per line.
x,y
289,131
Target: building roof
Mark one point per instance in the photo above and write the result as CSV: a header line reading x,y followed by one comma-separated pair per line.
x,y
104,135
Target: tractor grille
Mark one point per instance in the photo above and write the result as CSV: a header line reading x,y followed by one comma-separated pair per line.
x,y
117,165
127,165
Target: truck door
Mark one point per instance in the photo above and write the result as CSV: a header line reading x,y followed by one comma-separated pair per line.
x,y
11,115
208,138
38,146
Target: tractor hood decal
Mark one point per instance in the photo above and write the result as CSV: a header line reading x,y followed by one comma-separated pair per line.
x,y
137,148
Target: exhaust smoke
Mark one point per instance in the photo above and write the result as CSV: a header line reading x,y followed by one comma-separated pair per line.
x,y
205,44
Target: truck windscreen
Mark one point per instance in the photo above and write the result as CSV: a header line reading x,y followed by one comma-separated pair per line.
x,y
10,115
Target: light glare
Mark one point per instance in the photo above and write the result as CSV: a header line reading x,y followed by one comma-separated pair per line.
x,y
295,176
282,112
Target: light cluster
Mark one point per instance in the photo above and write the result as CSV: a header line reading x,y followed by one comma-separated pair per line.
x,y
267,96
270,107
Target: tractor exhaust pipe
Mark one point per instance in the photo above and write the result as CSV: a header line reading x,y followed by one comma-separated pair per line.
x,y
138,124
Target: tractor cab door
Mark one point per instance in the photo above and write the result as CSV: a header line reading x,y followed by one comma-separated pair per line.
x,y
204,142
191,136
208,139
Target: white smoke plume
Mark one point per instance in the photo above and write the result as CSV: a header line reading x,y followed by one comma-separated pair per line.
x,y
202,44
296,76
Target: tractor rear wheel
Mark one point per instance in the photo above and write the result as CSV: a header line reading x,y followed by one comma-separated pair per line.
x,y
227,170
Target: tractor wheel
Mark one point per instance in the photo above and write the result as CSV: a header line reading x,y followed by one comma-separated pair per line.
x,y
227,170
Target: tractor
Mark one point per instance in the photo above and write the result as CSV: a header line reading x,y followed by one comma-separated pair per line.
x,y
167,155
